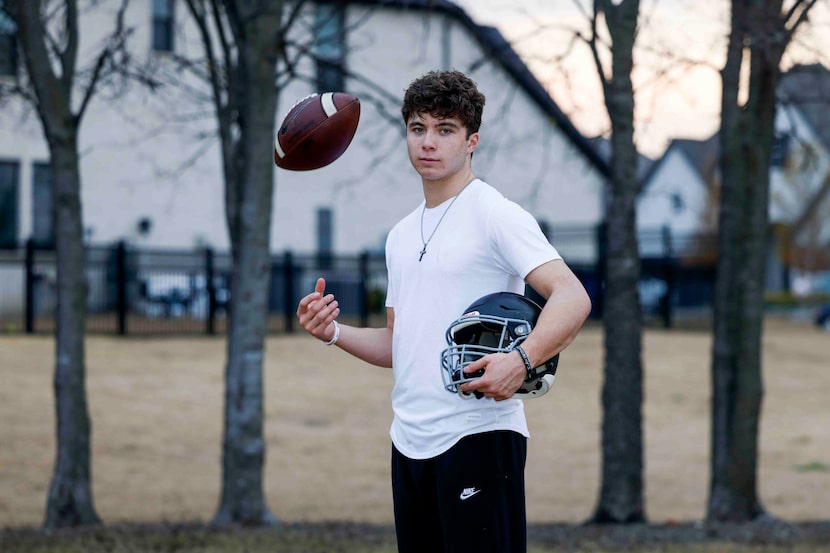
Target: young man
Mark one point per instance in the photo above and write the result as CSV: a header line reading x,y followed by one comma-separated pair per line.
x,y
457,465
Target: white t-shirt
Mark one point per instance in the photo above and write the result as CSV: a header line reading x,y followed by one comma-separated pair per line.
x,y
484,244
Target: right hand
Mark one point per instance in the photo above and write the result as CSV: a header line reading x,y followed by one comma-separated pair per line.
x,y
317,311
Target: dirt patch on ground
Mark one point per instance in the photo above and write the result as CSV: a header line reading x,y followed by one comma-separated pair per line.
x,y
156,407
764,536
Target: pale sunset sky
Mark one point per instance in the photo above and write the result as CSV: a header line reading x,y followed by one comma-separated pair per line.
x,y
680,51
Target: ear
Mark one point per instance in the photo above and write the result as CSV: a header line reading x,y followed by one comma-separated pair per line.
x,y
472,143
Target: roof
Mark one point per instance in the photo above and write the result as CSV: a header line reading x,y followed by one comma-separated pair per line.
x,y
804,86
703,156
603,147
808,88
498,49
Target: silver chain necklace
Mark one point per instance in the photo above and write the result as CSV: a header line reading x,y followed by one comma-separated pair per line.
x,y
427,241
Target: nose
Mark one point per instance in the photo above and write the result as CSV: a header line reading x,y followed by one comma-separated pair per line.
x,y
428,142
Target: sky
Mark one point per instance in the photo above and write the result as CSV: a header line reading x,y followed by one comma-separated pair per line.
x,y
676,78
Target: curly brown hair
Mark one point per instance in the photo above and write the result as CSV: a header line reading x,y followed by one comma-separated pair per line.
x,y
445,94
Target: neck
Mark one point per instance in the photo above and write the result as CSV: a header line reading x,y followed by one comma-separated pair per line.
x,y
437,192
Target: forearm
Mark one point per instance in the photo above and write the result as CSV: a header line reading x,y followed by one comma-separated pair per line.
x,y
565,311
559,323
373,345
317,313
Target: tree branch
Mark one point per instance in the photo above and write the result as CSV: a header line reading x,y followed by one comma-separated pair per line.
x,y
69,56
116,42
599,6
199,13
804,6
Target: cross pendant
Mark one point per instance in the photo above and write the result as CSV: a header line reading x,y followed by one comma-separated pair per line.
x,y
422,253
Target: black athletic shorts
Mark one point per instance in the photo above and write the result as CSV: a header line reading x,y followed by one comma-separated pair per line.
x,y
470,499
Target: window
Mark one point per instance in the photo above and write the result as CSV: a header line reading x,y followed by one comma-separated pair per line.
x,y
163,25
9,171
8,42
780,150
43,221
325,241
329,48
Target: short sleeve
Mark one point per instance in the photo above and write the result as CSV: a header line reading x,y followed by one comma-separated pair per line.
x,y
516,239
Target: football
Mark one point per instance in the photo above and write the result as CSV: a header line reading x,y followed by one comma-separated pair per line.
x,y
316,131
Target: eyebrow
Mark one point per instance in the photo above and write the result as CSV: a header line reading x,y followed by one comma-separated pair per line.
x,y
442,123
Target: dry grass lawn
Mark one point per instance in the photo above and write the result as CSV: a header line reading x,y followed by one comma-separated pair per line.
x,y
156,407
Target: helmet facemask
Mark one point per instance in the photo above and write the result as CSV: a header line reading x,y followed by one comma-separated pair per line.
x,y
472,337
477,334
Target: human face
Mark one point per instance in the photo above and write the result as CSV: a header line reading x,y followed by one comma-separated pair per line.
x,y
439,149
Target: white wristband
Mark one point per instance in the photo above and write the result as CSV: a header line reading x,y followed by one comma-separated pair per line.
x,y
336,335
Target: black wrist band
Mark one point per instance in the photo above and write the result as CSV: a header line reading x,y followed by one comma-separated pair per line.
x,y
531,371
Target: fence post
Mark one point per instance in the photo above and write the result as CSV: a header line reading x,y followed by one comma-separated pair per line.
x,y
288,290
121,286
363,290
668,277
29,287
211,292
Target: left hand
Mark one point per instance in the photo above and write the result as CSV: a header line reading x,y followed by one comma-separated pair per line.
x,y
503,374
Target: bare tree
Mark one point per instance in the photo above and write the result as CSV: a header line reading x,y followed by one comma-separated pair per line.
x,y
760,33
621,493
248,60
242,39
48,35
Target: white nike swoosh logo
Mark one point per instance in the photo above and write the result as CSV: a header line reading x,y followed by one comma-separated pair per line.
x,y
467,494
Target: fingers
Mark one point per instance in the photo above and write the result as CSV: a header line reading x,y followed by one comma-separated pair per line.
x,y
499,381
476,365
316,311
318,315
319,288
481,383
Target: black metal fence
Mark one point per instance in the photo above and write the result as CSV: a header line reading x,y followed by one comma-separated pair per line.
x,y
140,291
136,291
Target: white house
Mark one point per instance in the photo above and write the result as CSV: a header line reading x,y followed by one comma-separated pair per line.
x,y
680,191
676,192
800,187
150,177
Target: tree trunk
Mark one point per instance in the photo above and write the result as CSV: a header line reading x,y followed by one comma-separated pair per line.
x,y
621,493
746,141
70,498
243,449
69,501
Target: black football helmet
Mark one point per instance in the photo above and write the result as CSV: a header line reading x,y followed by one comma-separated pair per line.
x,y
494,323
